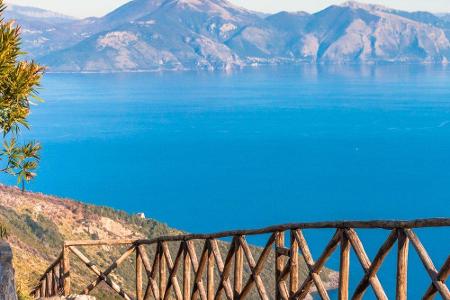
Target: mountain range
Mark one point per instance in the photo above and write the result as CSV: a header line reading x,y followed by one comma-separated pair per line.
x,y
147,35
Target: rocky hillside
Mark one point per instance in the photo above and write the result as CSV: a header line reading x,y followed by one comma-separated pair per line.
x,y
41,29
215,34
38,224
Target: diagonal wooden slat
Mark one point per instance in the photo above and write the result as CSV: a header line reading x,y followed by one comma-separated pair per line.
x,y
264,255
173,267
156,261
162,275
111,268
284,292
224,283
365,262
152,286
375,266
281,282
117,288
442,276
285,272
310,263
199,268
226,271
255,273
329,249
428,264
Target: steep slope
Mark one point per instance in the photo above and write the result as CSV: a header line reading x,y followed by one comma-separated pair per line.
x,y
350,33
271,39
38,224
356,32
41,29
174,34
123,15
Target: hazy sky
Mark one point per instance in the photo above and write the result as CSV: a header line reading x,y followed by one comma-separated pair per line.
x,y
84,8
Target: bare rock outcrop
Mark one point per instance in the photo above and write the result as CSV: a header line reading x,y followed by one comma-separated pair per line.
x,y
7,282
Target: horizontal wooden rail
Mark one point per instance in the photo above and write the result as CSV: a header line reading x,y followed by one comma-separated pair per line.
x,y
376,224
239,274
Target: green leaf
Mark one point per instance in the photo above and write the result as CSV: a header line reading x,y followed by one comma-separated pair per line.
x,y
37,98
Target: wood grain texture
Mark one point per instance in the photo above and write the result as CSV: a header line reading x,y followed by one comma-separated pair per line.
x,y
402,266
344,268
225,274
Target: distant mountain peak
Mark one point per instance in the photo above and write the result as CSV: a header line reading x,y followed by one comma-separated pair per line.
x,y
34,12
294,13
365,6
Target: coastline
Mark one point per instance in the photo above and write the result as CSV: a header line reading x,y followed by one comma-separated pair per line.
x,y
225,70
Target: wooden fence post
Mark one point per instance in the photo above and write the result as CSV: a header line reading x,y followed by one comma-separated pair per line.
x,y
61,274
402,265
43,288
279,262
238,268
210,272
162,272
294,265
186,274
139,295
66,268
48,281
54,282
344,267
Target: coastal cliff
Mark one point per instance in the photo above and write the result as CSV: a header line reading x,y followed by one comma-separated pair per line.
x,y
38,224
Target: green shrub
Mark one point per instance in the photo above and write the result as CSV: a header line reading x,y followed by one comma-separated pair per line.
x,y
3,232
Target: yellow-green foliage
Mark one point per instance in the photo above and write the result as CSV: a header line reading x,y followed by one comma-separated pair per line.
x,y
18,83
3,232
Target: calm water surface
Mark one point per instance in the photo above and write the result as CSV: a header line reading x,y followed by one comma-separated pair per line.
x,y
213,151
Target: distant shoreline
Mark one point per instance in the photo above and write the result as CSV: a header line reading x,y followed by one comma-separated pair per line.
x,y
222,70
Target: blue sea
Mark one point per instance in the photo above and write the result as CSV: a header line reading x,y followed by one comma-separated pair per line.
x,y
208,152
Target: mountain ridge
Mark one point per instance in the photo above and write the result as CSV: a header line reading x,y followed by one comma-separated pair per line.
x,y
15,10
155,35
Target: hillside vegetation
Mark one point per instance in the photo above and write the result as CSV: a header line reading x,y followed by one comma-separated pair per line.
x,y
38,224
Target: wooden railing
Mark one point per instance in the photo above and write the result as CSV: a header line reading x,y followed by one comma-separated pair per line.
x,y
213,276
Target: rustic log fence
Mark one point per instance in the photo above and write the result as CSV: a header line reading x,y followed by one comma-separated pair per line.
x,y
198,274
